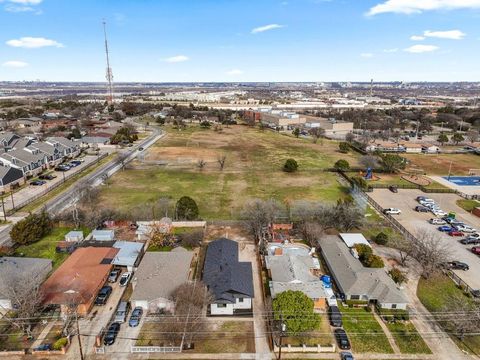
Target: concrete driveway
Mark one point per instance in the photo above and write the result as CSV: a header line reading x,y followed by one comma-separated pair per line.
x,y
413,221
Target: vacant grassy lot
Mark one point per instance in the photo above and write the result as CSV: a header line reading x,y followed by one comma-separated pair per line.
x,y
253,169
45,248
468,205
440,164
323,336
435,293
228,337
364,332
407,338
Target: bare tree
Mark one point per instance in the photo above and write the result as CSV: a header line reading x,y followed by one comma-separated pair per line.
x,y
201,164
221,161
403,246
258,214
430,253
472,135
466,319
25,295
316,134
312,232
349,137
369,161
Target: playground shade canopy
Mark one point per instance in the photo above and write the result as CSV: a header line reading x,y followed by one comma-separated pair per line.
x,y
352,239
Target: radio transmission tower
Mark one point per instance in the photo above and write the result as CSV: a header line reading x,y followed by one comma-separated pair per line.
x,y
109,74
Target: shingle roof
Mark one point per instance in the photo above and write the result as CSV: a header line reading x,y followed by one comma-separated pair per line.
x,y
10,267
128,254
355,279
83,272
23,156
160,273
225,276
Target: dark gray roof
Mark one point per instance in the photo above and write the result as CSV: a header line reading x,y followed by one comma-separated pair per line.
x,y
9,174
354,279
225,276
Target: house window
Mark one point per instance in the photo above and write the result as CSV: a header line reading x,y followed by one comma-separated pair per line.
x,y
354,297
394,306
221,306
240,300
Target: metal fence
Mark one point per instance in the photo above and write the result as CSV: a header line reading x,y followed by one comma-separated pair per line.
x,y
458,280
155,349
21,204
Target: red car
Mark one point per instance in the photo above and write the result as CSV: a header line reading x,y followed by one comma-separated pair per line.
x,y
476,250
455,233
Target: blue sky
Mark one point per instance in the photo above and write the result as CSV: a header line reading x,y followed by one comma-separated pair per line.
x,y
241,40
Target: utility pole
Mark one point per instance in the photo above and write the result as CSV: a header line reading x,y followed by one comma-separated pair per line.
x,y
4,213
78,334
109,73
11,195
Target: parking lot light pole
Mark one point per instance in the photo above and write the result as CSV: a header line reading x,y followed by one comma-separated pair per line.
x,y
283,329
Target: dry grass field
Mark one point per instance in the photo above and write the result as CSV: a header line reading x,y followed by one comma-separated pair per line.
x,y
253,169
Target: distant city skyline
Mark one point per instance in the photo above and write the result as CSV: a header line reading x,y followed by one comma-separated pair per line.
x,y
241,41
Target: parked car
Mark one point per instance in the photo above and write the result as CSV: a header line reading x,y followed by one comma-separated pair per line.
x,y
38,182
476,250
125,278
465,228
111,334
436,221
113,275
426,200
392,211
421,209
345,355
122,312
75,162
474,236
458,265
47,177
140,148
438,212
455,233
62,168
342,339
470,241
135,317
393,188
335,316
103,295
445,228
420,198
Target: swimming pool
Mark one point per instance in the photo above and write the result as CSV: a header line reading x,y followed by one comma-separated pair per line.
x,y
464,180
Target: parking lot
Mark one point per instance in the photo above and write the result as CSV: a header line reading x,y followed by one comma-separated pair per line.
x,y
405,200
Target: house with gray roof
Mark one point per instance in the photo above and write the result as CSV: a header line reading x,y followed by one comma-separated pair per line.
x,y
297,273
10,178
229,280
158,275
7,140
357,282
30,162
53,153
70,148
13,269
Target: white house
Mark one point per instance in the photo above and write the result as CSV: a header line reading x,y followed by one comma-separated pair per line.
x,y
230,281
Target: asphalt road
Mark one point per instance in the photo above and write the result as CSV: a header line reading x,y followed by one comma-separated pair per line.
x,y
413,221
69,197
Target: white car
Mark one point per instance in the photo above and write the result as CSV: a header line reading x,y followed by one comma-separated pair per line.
x,y
427,204
436,221
431,201
440,213
474,236
392,211
465,228
125,278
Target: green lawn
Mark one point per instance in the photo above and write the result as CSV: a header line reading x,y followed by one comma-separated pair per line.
x,y
435,293
407,338
468,205
253,170
45,248
364,332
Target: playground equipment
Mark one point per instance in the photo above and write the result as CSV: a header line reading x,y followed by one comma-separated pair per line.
x,y
369,174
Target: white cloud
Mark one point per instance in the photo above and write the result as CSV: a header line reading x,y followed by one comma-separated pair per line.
x,y
177,59
449,34
26,2
15,6
33,42
235,72
394,50
366,55
417,37
419,6
418,49
266,28
15,64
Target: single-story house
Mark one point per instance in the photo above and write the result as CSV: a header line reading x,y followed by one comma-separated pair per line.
x,y
353,239
79,278
157,277
413,148
12,269
430,149
385,146
103,235
296,273
10,178
94,141
129,254
229,280
74,236
357,282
